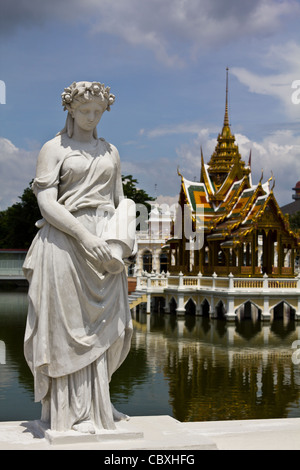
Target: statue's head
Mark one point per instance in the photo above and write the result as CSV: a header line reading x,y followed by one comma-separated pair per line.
x,y
83,92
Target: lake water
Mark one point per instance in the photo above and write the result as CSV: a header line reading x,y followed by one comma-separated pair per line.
x,y
191,368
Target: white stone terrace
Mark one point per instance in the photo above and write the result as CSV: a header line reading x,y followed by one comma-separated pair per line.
x,y
264,294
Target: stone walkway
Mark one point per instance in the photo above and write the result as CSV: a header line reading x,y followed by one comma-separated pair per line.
x,y
161,433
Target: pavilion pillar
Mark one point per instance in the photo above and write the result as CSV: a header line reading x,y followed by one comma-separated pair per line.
x,y
293,259
248,259
201,258
240,256
279,254
254,252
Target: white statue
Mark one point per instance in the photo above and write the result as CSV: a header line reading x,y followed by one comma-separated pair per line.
x,y
79,323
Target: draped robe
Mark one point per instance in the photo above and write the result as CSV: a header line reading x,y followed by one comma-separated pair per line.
x,y
79,325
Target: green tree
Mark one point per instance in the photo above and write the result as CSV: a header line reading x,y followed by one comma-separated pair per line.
x,y
139,196
295,221
17,223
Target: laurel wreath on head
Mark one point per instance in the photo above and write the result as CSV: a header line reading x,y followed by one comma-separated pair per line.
x,y
94,89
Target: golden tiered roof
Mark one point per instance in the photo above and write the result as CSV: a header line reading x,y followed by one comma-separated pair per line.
x,y
231,204
226,164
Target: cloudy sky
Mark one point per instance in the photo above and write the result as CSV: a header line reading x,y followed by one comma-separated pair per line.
x,y
165,60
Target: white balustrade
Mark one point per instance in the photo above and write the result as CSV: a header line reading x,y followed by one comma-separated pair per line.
x,y
229,283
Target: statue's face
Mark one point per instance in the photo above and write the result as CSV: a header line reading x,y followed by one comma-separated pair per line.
x,y
88,115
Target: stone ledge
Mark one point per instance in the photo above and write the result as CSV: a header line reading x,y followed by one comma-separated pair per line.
x,y
164,433
121,432
138,433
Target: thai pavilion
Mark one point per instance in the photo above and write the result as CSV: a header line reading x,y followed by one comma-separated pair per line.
x,y
242,229
231,251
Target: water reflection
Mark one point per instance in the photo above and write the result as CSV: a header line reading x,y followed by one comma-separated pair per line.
x,y
215,370
16,383
192,368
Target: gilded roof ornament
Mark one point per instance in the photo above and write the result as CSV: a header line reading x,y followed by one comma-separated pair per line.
x,y
226,162
226,117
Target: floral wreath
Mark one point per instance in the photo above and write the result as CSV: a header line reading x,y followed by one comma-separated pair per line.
x,y
80,89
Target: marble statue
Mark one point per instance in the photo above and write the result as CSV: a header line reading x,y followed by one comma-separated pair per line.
x,y
79,325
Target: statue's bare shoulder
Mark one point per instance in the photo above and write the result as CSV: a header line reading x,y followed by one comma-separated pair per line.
x,y
112,149
50,155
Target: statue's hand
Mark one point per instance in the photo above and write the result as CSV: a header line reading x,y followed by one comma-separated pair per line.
x,y
97,247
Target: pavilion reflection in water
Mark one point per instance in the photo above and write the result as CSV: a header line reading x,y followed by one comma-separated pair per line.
x,y
218,370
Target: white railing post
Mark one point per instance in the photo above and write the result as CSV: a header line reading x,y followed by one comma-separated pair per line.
x,y
230,277
199,280
214,276
265,282
180,284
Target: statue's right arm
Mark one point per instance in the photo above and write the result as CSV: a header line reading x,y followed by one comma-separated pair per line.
x,y
57,215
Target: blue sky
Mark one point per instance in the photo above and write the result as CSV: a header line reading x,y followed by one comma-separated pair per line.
x,y
165,60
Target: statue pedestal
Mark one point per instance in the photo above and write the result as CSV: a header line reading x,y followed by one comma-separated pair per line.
x,y
123,431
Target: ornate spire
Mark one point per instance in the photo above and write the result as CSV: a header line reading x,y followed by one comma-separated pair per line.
x,y
226,118
226,155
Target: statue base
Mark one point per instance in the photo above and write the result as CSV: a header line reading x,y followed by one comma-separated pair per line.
x,y
123,431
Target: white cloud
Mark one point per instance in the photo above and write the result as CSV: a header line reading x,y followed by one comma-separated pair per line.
x,y
167,27
131,168
276,154
284,62
174,30
17,170
181,128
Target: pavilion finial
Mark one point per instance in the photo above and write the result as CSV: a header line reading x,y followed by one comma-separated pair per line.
x,y
226,118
